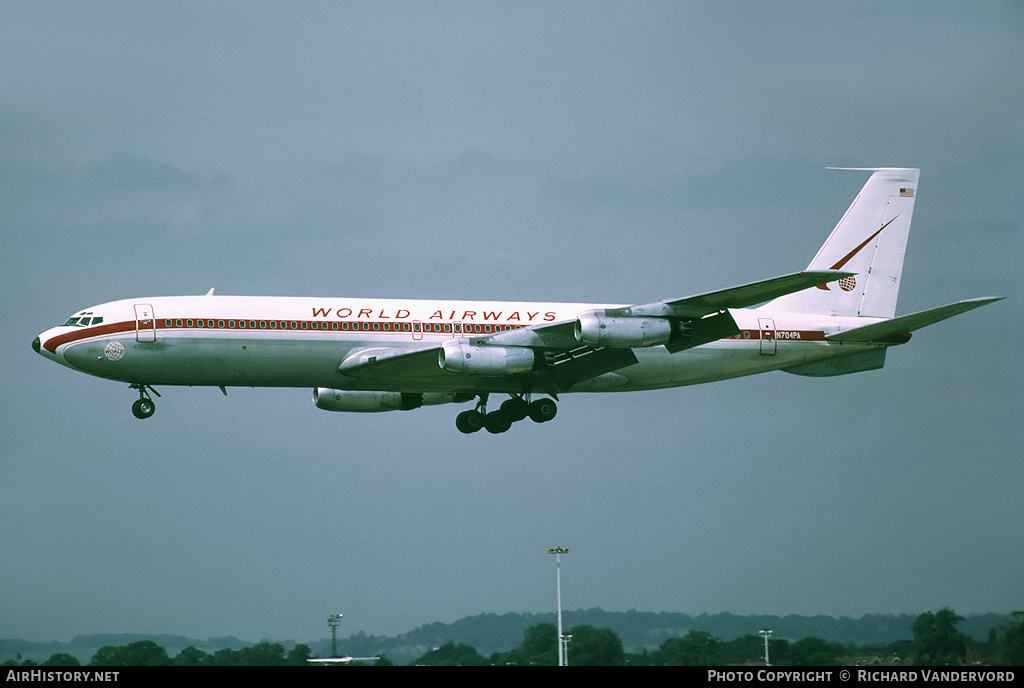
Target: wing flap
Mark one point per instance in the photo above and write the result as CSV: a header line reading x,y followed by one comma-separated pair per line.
x,y
704,330
585,363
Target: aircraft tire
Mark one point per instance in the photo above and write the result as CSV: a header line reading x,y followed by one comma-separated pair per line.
x,y
143,408
543,410
469,421
515,408
497,422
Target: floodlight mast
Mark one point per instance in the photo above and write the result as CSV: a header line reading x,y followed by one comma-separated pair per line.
x,y
563,650
766,633
334,620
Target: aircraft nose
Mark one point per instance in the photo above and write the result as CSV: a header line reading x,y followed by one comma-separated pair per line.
x,y
36,345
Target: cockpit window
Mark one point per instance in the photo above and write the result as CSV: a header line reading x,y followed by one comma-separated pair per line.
x,y
83,320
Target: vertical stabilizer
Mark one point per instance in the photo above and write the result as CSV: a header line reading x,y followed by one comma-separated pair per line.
x,y
870,241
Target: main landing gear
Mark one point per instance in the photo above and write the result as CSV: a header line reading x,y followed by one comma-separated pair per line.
x,y
145,406
515,409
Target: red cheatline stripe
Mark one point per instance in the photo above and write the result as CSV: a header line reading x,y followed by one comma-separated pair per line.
x,y
388,327
317,326
782,335
86,332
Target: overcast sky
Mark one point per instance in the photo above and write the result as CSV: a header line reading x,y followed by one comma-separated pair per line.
x,y
592,151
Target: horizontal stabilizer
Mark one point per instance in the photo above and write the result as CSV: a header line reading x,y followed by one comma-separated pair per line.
x,y
909,323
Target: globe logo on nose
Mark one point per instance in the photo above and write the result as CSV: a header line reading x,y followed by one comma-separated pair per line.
x,y
114,351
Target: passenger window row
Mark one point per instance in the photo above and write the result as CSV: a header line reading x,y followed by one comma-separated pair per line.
x,y
344,326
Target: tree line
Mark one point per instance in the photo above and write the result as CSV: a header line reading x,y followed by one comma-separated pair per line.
x,y
148,653
936,642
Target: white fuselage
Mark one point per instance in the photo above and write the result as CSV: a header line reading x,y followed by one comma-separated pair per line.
x,y
301,341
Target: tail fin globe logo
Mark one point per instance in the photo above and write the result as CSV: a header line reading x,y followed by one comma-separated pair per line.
x,y
848,283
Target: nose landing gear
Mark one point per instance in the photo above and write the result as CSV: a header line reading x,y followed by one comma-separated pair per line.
x,y
144,407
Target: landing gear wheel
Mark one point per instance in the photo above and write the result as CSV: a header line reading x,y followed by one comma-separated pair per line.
x,y
543,410
143,408
515,408
469,421
497,422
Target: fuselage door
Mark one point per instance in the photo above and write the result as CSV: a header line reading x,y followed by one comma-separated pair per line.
x,y
145,323
767,326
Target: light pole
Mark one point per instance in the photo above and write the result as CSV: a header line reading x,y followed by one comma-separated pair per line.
x,y
334,620
766,633
562,649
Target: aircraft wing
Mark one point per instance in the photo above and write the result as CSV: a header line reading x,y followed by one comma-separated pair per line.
x,y
700,319
692,308
906,324
562,367
742,296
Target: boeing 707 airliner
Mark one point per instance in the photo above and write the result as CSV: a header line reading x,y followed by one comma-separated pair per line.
x,y
367,355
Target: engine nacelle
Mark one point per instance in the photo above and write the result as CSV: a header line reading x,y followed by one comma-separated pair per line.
x,y
377,402
600,330
458,356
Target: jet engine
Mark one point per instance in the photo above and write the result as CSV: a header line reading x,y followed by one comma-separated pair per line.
x,y
600,330
458,356
376,402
